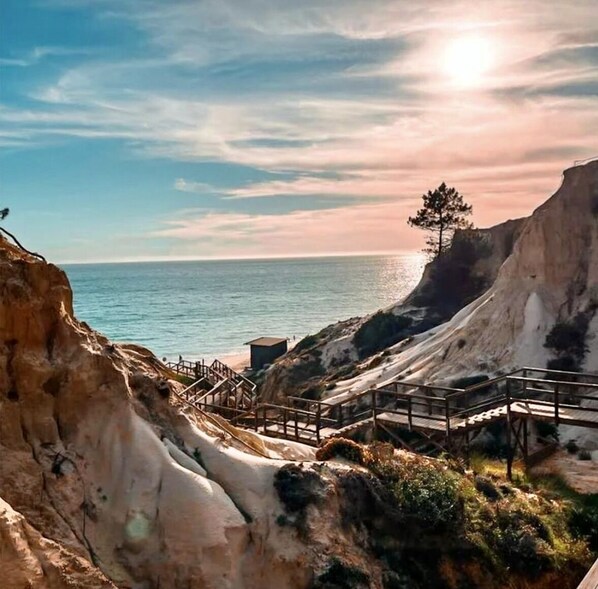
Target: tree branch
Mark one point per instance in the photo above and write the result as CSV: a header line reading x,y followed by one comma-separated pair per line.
x,y
19,244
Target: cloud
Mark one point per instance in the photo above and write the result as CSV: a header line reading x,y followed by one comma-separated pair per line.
x,y
38,54
183,185
346,229
331,99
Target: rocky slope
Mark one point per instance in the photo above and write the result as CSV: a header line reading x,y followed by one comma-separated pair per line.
x,y
465,271
108,480
101,468
542,270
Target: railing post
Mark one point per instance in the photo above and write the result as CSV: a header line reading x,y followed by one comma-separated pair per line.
x,y
509,425
296,427
556,404
340,415
374,415
257,410
410,413
447,412
285,417
318,419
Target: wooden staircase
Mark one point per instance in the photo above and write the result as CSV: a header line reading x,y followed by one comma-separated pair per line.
x,y
216,388
446,419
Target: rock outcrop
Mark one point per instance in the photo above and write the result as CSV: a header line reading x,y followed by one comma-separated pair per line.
x,y
550,277
464,272
102,473
108,480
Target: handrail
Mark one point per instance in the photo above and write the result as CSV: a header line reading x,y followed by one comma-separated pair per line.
x,y
554,382
302,419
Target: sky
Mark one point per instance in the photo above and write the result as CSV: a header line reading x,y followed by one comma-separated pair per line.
x,y
182,129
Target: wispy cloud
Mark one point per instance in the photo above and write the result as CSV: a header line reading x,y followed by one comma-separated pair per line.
x,y
338,230
348,100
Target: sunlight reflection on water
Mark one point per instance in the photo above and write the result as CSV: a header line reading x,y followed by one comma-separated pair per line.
x,y
208,308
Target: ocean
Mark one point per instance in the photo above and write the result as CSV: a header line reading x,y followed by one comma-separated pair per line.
x,y
207,309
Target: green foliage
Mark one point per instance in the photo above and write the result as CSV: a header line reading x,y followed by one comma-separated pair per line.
x,y
186,380
584,455
297,487
306,343
423,491
469,381
312,393
380,331
429,494
4,213
567,340
583,523
486,486
566,363
309,367
546,430
453,282
522,539
443,211
504,530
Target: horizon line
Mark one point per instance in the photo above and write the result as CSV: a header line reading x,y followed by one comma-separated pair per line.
x,y
240,258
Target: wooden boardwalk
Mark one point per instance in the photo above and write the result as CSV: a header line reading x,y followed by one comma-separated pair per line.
x,y
446,417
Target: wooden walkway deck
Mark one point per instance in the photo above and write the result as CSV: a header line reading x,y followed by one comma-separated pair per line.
x,y
443,414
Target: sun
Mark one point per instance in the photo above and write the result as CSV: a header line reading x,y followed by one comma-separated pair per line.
x,y
467,60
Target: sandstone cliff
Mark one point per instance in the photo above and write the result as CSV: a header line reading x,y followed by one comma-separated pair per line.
x,y
464,272
550,276
108,480
101,472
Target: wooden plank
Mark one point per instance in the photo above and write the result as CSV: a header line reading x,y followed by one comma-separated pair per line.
x,y
568,415
590,581
418,421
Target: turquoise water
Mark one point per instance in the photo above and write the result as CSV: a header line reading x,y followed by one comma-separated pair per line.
x,y
210,308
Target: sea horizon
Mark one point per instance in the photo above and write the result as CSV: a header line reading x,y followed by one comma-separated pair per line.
x,y
235,258
210,308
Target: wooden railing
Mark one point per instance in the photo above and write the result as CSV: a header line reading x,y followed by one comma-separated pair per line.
x,y
220,389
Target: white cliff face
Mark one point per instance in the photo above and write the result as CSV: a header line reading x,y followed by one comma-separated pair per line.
x,y
551,275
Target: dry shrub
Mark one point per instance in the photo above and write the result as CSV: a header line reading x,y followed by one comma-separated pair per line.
x,y
344,448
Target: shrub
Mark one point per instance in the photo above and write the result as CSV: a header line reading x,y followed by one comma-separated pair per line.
x,y
566,363
342,448
583,523
423,491
313,393
545,429
584,455
567,339
486,486
572,447
298,488
307,342
380,331
523,540
468,381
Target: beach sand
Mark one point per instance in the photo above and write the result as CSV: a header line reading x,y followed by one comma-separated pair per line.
x,y
240,360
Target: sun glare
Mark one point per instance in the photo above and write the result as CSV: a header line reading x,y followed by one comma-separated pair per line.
x,y
468,59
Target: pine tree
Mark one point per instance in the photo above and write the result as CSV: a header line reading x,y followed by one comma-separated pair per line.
x,y
4,214
444,211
